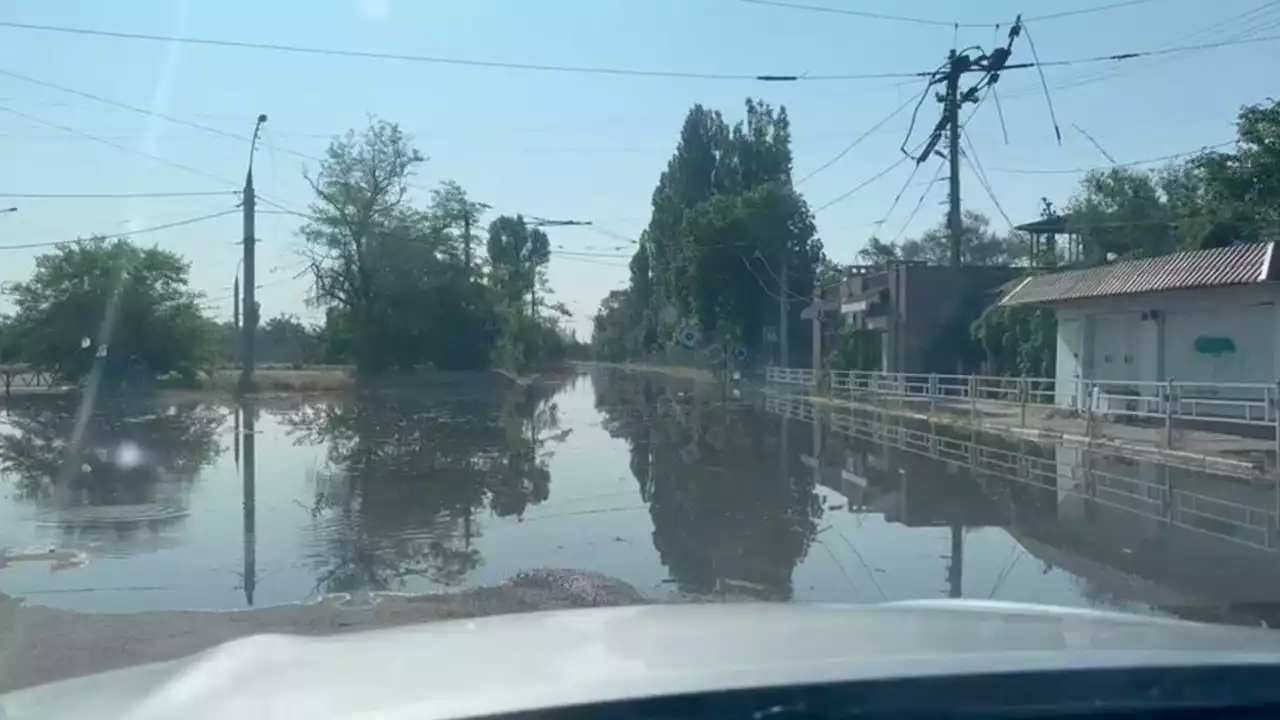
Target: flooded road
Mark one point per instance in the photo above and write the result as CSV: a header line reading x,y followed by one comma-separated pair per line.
x,y
664,484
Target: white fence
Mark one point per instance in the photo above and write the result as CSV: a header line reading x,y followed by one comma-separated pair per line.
x,y
1152,403
790,376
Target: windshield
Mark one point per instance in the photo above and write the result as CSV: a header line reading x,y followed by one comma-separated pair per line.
x,y
321,317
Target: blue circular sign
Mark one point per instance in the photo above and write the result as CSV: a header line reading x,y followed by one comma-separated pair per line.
x,y
740,354
689,338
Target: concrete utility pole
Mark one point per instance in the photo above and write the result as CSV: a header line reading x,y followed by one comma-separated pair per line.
x,y
951,102
466,244
784,354
235,317
476,208
250,304
948,126
540,222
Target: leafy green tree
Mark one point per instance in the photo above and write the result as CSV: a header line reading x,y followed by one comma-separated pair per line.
x,y
456,216
393,279
979,245
879,253
1121,213
518,258
285,339
725,221
1239,191
129,307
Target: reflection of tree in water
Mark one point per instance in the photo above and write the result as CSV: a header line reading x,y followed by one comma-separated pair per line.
x,y
726,518
142,455
408,471
131,453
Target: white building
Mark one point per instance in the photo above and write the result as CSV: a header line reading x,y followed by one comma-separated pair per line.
x,y
1203,316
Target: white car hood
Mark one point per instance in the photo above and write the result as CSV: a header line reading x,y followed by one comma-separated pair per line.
x,y
510,663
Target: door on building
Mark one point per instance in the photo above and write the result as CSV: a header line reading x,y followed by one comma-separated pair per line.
x,y
1115,348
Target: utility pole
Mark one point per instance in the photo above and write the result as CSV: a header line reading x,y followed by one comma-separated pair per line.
x,y
948,126
235,319
951,103
250,303
784,356
471,208
466,244
540,222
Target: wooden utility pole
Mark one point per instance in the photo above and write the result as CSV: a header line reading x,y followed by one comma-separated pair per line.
x,y
250,329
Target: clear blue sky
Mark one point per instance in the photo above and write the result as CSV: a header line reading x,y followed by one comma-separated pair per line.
x,y
562,145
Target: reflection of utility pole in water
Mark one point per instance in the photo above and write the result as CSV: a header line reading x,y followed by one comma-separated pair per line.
x,y
955,563
250,503
235,434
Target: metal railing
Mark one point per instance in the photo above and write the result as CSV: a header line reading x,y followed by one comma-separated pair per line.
x,y
1241,403
790,376
1164,495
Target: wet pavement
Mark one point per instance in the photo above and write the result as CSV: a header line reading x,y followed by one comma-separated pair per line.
x,y
668,485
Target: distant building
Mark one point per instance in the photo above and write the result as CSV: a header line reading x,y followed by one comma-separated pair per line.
x,y
1198,316
921,313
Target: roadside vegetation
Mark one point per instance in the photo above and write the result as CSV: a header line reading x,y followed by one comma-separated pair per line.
x,y
401,288
729,235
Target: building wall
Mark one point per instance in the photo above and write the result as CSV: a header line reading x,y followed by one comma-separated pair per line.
x,y
936,305
1168,336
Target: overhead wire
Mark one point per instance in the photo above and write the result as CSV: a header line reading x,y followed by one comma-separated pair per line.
x,y
856,141
129,234
373,55
915,167
919,204
115,195
672,74
1053,114
930,21
589,261
1132,163
763,286
1097,145
976,166
118,146
143,111
845,195
1173,47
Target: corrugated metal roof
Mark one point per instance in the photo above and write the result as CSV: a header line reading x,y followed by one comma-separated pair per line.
x,y
1215,267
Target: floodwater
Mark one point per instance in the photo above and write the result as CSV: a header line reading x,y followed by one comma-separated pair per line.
x,y
670,486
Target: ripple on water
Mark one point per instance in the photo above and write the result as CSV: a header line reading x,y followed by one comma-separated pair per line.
x,y
111,514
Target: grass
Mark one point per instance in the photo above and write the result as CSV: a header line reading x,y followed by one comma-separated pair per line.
x,y
267,379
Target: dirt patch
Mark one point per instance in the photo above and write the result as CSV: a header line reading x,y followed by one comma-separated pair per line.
x,y
40,645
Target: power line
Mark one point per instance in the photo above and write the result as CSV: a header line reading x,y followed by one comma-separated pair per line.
x,y
919,204
574,253
1133,163
976,166
856,141
590,261
142,111
1171,46
114,196
632,72
842,196
118,146
370,55
930,21
117,236
898,198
